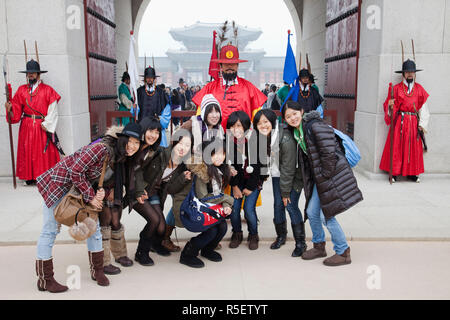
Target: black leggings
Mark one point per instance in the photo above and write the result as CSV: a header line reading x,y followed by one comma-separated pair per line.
x,y
153,214
210,238
111,217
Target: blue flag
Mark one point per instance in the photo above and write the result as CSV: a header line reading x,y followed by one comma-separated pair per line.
x,y
290,66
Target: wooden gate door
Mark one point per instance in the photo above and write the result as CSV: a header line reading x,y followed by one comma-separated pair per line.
x,y
101,56
341,63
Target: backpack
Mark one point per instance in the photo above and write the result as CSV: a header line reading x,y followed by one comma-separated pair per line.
x,y
197,215
349,147
275,105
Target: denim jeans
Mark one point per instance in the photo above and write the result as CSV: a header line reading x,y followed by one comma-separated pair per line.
x,y
210,237
154,199
278,206
316,219
50,230
170,218
249,213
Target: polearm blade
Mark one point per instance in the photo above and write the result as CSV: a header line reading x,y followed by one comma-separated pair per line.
x,y
8,98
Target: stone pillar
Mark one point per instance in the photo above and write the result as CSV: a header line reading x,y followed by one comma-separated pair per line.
x,y
383,25
58,27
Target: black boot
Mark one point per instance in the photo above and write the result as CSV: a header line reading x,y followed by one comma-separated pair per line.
x,y
189,256
281,231
209,253
299,237
143,248
157,247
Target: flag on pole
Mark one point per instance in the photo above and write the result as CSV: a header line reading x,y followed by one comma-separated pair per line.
x,y
214,66
133,72
290,66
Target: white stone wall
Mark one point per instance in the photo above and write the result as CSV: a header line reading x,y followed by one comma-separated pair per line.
x,y
428,23
61,52
124,26
313,38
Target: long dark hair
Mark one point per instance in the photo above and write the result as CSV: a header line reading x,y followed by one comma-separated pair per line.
x,y
213,171
291,105
210,108
151,123
272,117
176,138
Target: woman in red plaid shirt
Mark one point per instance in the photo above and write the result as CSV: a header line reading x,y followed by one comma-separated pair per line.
x,y
82,169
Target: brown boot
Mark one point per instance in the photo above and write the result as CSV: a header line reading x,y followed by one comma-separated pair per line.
x,y
167,243
338,259
236,239
318,251
119,247
46,282
96,266
108,268
253,241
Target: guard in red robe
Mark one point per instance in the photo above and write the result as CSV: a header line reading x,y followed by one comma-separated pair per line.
x,y
410,116
232,92
35,106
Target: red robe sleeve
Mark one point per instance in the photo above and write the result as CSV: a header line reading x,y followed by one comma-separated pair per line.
x,y
423,96
257,98
52,95
17,106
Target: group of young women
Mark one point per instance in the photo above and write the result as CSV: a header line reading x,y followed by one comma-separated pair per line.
x,y
301,154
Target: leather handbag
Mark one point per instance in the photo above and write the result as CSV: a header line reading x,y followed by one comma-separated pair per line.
x,y
73,209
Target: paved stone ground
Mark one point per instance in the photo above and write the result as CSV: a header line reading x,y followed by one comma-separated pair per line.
x,y
402,211
400,231
405,270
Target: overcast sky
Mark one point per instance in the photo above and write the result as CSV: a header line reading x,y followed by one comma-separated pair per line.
x,y
271,16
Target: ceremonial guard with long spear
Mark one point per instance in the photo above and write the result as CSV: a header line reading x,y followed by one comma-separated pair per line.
x,y
35,105
406,111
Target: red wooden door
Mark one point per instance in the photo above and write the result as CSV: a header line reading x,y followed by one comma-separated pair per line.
x,y
341,63
101,55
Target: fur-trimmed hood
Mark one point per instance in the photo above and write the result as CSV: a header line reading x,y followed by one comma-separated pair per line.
x,y
113,131
200,170
311,116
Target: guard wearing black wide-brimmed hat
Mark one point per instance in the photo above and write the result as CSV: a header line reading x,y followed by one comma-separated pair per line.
x,y
153,102
35,104
305,93
407,113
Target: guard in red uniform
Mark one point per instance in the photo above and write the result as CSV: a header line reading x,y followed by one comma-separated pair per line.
x,y
410,117
232,92
35,106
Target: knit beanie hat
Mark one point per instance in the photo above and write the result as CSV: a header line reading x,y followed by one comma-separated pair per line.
x,y
206,101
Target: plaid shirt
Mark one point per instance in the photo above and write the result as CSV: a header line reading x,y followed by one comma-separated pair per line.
x,y
79,169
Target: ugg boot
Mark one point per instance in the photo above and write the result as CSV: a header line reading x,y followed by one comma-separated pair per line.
x,y
46,282
119,247
281,230
96,267
253,241
108,268
143,248
167,243
338,259
189,256
318,251
158,247
299,237
236,239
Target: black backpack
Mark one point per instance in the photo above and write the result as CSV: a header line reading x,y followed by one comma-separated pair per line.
x,y
275,105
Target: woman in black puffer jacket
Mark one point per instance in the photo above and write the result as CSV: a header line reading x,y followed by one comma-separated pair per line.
x,y
329,184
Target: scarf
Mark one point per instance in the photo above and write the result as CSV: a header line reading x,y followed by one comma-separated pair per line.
x,y
300,137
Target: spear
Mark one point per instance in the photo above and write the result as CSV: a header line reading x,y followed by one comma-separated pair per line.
x,y
8,92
